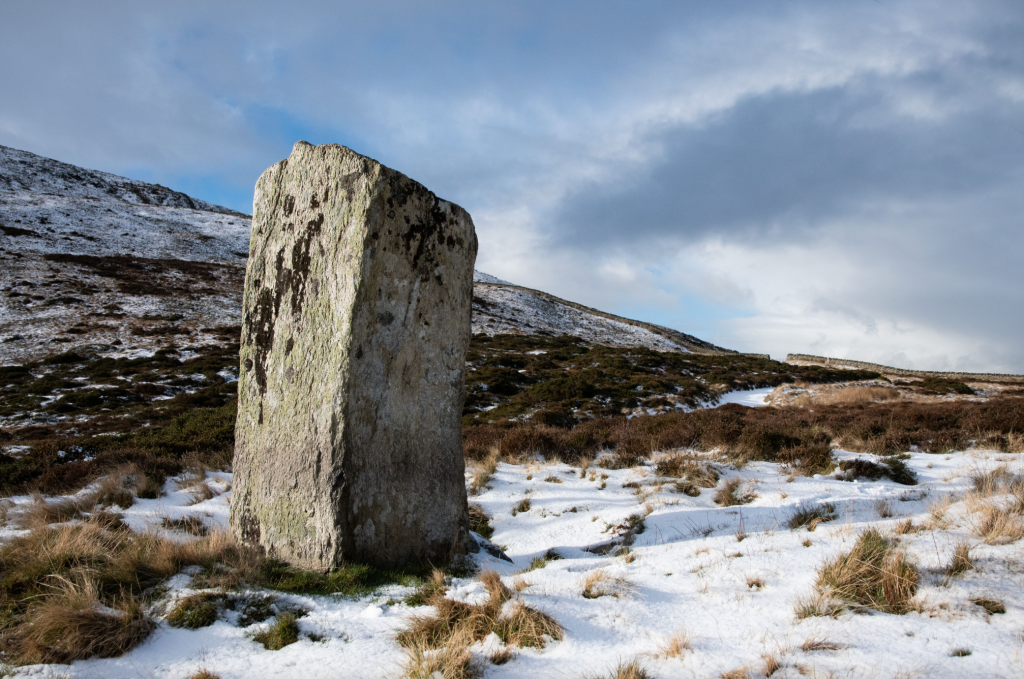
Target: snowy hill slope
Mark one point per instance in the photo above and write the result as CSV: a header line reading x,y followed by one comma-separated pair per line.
x,y
97,259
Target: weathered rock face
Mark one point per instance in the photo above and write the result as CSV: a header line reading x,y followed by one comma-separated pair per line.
x,y
356,322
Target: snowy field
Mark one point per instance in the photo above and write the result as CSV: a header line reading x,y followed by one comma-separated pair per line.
x,y
728,578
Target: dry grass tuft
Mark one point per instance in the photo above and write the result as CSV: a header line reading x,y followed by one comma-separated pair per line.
x,y
192,525
818,605
999,525
693,472
961,561
42,512
738,673
904,527
502,656
875,573
884,509
986,483
626,670
599,583
201,492
69,624
450,662
48,618
456,625
522,507
755,582
732,493
992,606
677,644
483,473
1015,442
204,674
771,664
811,516
819,644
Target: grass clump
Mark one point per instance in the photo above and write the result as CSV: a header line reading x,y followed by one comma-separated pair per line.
x,y
283,632
677,644
522,507
875,573
59,584
892,467
598,583
961,561
732,493
479,522
992,606
456,625
998,525
195,611
631,669
484,471
192,525
812,644
812,515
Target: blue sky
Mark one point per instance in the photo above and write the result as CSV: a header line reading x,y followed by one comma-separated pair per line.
x,y
843,178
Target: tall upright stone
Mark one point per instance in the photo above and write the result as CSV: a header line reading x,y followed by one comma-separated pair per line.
x,y
356,323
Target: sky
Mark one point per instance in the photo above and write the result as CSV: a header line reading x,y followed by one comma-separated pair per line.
x,y
841,178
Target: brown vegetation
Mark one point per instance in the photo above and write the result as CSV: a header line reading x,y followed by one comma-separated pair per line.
x,y
875,573
439,642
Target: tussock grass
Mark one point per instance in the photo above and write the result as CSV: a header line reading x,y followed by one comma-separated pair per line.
x,y
43,512
961,561
811,516
522,507
195,611
688,468
283,632
986,483
68,623
74,591
876,574
904,527
484,471
204,674
201,492
998,525
992,606
433,587
456,625
192,525
479,522
631,669
733,493
453,661
677,644
598,583
818,605
815,643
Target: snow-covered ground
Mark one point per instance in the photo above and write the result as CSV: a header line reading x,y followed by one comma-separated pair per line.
x,y
753,398
727,576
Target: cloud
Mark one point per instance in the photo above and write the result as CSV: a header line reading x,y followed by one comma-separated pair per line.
x,y
772,177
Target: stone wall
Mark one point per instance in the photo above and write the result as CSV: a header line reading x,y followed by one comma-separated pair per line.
x,y
828,362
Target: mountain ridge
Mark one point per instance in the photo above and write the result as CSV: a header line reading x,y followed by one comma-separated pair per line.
x,y
103,260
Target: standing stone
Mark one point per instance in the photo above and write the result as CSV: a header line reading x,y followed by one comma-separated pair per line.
x,y
356,323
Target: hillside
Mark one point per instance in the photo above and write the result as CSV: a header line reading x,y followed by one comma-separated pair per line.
x,y
97,259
